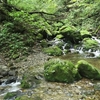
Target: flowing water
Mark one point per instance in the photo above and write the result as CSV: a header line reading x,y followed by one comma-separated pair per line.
x,y
92,57
9,88
53,90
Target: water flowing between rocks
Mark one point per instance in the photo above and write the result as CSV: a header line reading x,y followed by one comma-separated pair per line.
x,y
84,89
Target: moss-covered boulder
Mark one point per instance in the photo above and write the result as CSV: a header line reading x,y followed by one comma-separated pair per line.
x,y
87,70
85,34
88,43
53,51
44,43
57,70
70,33
10,95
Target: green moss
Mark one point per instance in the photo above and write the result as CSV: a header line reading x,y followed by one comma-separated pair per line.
x,y
85,33
89,43
53,51
25,83
9,95
44,43
57,70
87,70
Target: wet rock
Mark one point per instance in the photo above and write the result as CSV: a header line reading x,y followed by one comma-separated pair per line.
x,y
4,73
0,82
12,73
3,67
11,79
90,54
88,92
1,76
13,68
97,86
87,70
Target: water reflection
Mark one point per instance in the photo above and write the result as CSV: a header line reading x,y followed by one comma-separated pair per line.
x,y
76,57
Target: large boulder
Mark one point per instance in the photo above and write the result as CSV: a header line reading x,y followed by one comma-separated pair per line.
x,y
57,70
87,70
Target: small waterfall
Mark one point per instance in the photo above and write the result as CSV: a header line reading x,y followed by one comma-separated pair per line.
x,y
10,87
97,52
89,53
80,49
64,48
95,38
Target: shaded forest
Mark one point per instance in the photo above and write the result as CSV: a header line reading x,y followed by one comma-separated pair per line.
x,y
26,23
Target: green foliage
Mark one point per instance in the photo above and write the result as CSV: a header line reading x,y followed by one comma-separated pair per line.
x,y
28,22
53,51
11,43
57,70
25,83
9,95
49,6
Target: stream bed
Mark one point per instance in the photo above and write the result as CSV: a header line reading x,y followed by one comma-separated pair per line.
x,y
84,89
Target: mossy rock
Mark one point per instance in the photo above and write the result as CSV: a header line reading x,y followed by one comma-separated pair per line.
x,y
87,70
9,95
28,79
70,34
53,51
44,43
57,70
25,84
85,34
89,43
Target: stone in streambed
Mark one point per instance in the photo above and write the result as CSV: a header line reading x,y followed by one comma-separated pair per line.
x,y
87,70
57,70
11,79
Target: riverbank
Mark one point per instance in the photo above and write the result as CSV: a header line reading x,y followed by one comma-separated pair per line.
x,y
82,90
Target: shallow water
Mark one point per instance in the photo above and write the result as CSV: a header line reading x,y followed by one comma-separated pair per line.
x,y
76,57
9,88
